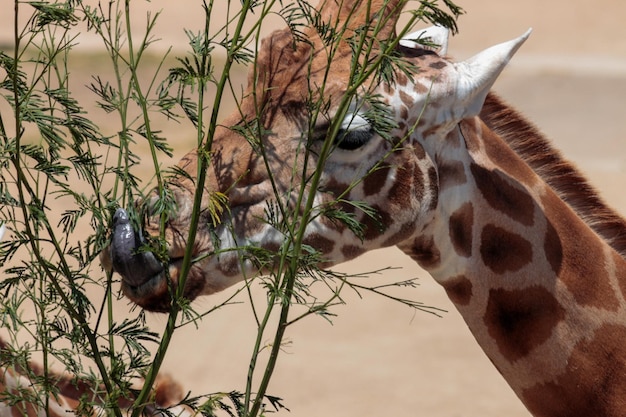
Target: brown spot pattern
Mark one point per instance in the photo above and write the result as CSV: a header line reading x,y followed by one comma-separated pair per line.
x,y
498,151
320,243
406,99
503,196
408,184
451,173
521,320
375,226
375,181
419,188
438,65
425,252
420,88
592,384
405,231
419,152
460,228
553,249
352,251
459,290
404,113
503,251
434,187
332,222
401,78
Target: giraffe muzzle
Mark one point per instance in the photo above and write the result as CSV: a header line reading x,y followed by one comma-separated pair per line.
x,y
135,265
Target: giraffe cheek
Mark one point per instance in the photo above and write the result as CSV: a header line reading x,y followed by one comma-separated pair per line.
x,y
374,183
376,225
321,243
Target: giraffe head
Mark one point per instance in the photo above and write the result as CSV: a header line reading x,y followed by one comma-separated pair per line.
x,y
264,156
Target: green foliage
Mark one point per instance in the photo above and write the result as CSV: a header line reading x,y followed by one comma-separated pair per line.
x,y
62,175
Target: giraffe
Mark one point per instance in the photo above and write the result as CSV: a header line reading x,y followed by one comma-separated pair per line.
x,y
21,395
529,254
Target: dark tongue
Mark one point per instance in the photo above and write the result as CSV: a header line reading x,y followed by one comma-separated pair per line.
x,y
136,268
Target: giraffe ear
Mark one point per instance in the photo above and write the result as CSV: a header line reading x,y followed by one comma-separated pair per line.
x,y
476,76
436,35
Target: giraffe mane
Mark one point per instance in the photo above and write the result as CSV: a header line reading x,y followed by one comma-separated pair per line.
x,y
561,175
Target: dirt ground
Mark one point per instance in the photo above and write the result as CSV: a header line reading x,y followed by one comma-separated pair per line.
x,y
379,358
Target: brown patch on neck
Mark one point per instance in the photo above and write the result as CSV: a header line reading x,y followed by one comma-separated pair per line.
x,y
593,384
521,320
460,228
459,290
527,142
503,251
451,173
504,196
424,252
553,248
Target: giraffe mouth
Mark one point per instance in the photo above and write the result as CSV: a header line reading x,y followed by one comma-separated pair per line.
x,y
142,273
146,280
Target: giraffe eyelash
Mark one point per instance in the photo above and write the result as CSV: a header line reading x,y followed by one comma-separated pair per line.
x,y
355,131
352,139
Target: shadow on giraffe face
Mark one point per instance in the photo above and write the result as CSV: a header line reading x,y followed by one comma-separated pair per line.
x,y
262,177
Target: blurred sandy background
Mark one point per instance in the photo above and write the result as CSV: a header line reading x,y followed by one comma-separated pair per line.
x,y
379,358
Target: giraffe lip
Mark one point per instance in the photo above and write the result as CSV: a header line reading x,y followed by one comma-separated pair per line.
x,y
135,266
151,295
155,293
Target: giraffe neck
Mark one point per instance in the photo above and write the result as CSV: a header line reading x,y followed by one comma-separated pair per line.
x,y
542,292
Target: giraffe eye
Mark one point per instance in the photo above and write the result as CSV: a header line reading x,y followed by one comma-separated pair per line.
x,y
352,139
355,132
